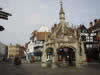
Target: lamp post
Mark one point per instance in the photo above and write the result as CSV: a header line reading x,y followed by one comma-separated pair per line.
x,y
1,28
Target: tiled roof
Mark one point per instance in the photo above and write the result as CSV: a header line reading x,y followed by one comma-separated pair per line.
x,y
42,35
96,26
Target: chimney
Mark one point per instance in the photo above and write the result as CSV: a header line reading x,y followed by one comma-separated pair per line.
x,y
35,33
55,25
98,21
91,24
52,29
80,25
95,21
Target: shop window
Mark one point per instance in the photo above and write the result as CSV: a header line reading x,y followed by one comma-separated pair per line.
x,y
91,38
87,46
90,45
83,38
87,40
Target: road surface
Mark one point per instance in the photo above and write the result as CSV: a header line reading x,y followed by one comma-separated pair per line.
x,y
35,69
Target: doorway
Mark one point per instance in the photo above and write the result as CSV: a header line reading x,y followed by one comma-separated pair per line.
x,y
67,55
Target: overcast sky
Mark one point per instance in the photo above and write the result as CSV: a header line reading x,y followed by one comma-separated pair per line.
x,y
29,15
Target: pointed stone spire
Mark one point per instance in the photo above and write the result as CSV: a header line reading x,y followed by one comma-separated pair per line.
x,y
61,8
62,13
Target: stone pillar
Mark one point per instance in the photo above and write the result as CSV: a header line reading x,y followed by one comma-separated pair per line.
x,y
54,58
54,62
44,58
64,58
83,53
77,57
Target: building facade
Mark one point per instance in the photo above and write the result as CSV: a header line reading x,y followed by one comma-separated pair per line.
x,y
3,51
90,42
21,50
35,46
94,31
96,28
15,51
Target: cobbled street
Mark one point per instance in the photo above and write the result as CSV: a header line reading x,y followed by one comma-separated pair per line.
x,y
35,69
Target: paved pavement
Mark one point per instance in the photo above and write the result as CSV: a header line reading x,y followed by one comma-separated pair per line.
x,y
35,69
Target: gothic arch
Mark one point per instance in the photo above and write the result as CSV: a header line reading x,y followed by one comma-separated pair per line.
x,y
49,48
66,46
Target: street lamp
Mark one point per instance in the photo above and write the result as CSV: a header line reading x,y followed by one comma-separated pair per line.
x,y
3,15
1,28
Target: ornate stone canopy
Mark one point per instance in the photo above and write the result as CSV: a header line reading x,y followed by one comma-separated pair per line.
x,y
63,36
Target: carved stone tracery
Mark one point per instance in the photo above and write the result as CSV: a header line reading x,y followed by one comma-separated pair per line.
x,y
63,36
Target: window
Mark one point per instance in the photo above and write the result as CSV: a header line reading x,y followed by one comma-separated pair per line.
x,y
91,38
89,46
95,45
84,31
91,34
94,38
87,38
83,38
86,34
35,42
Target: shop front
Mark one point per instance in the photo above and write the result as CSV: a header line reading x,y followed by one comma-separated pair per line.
x,y
37,53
